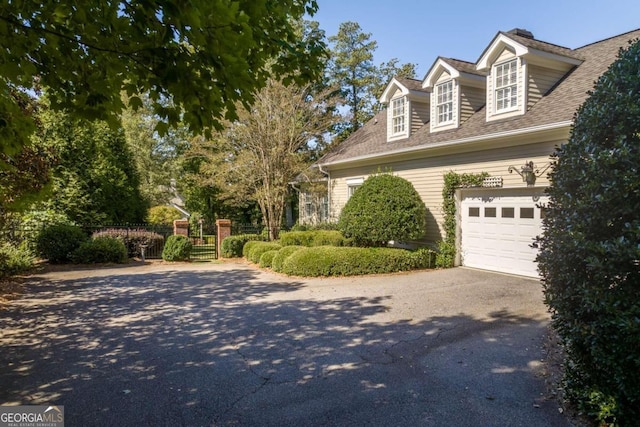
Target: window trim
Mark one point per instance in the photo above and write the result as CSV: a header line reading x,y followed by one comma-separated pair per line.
x,y
440,103
512,84
398,116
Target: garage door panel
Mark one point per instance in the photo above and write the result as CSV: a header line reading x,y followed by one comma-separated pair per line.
x,y
498,227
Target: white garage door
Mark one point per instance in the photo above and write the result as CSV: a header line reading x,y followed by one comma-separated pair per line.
x,y
498,227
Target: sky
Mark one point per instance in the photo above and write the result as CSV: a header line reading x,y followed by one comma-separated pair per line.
x,y
419,31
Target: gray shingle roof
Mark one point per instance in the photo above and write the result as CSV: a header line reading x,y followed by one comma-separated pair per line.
x,y
558,106
463,66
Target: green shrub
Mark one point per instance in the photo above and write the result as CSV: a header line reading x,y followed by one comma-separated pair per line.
x,y
248,246
32,222
278,260
312,238
133,239
589,252
177,248
384,208
259,248
297,238
100,249
14,260
423,258
328,238
232,245
57,243
445,257
163,215
347,261
266,259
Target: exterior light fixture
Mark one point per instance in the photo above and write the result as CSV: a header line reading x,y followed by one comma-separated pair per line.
x,y
529,172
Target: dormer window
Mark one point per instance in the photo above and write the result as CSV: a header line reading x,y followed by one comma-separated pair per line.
x,y
506,86
444,102
398,116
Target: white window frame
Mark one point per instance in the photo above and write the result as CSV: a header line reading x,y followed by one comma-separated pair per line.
x,y
444,102
352,185
398,111
505,86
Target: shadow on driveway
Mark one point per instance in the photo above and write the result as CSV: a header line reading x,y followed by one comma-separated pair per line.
x,y
234,347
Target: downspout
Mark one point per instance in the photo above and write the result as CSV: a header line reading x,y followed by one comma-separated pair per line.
x,y
328,175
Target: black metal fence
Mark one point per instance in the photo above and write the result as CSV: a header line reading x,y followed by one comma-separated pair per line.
x,y
142,240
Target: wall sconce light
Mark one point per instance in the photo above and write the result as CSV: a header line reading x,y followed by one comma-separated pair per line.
x,y
529,172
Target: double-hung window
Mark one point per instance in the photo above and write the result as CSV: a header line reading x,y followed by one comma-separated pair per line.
x,y
397,116
444,102
506,85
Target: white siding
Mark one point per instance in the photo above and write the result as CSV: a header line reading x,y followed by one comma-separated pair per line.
x,y
426,174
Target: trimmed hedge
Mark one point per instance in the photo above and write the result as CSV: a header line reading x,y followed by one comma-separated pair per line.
x,y
258,248
232,245
100,249
348,261
132,239
177,248
266,259
313,238
57,243
282,255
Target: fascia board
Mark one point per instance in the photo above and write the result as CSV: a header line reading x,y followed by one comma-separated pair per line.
x,y
456,142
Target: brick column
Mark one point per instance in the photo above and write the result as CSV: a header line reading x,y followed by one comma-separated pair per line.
x,y
223,230
181,227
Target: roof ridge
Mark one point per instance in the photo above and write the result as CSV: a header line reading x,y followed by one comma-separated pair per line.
x,y
506,33
608,38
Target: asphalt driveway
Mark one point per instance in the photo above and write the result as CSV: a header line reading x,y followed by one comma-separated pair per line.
x,y
225,344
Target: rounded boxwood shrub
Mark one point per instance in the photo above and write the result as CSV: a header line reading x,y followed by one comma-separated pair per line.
x,y
589,251
232,246
99,250
177,248
297,238
328,238
278,260
246,248
384,208
259,248
266,259
58,242
347,261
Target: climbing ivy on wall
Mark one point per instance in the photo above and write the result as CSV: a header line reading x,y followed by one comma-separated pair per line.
x,y
452,181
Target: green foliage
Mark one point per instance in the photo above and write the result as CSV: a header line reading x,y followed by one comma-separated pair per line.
x,y
361,82
384,208
32,222
177,248
259,248
133,239
246,248
100,250
206,58
589,250
266,259
95,179
232,246
14,260
453,181
56,243
313,238
348,261
282,255
163,215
